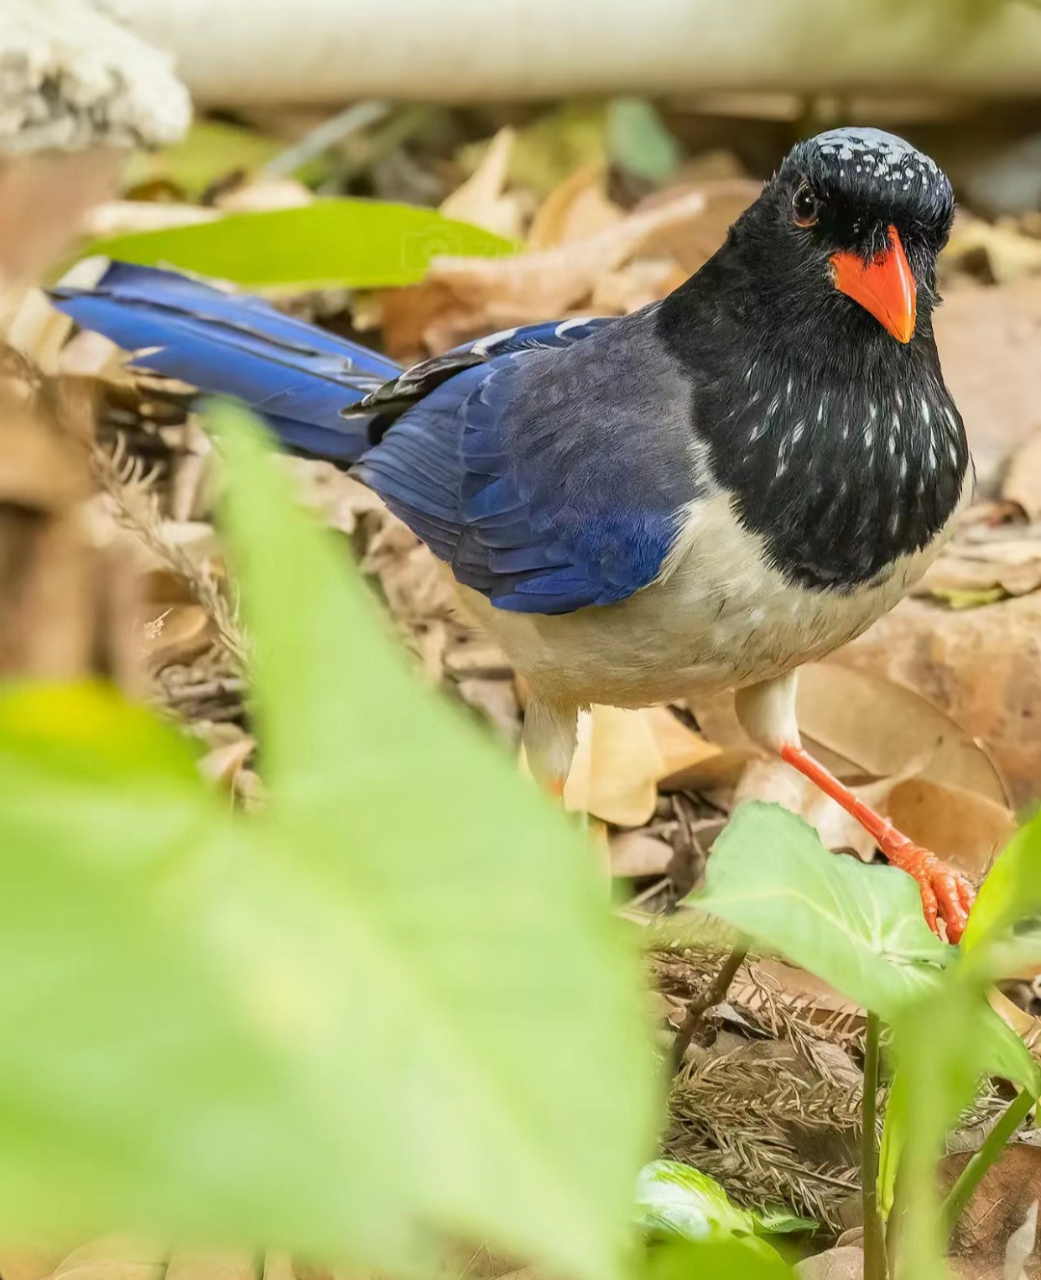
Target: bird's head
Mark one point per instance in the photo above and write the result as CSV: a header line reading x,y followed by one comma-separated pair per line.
x,y
846,234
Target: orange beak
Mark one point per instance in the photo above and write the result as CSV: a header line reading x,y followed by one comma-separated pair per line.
x,y
885,286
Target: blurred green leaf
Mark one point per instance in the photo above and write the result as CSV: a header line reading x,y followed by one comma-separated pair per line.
x,y
639,141
211,151
941,1044
732,1259
359,244
1010,895
391,1009
858,927
675,1199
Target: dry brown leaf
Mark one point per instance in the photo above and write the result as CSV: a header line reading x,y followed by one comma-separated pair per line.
x,y
691,244
177,635
981,667
465,296
998,1209
885,728
621,757
968,828
635,285
574,210
43,199
635,854
1022,483
845,1263
986,337
997,253
481,199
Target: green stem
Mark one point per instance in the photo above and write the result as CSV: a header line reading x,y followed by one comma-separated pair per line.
x,y
993,1145
874,1244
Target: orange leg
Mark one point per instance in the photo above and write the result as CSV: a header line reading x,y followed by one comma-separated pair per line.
x,y
945,892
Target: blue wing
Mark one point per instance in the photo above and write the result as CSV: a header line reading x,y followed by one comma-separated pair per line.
x,y
550,479
548,464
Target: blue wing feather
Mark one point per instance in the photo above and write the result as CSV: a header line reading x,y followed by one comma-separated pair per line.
x,y
538,462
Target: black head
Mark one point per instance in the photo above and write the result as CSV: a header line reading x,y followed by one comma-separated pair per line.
x,y
847,233
816,384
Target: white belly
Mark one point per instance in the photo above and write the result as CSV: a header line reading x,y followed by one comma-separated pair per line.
x,y
717,617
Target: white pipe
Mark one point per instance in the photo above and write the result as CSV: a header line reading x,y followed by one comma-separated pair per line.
x,y
236,52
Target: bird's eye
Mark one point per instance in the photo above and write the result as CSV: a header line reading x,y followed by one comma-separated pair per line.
x,y
805,207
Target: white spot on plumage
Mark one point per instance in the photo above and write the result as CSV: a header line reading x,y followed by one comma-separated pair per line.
x,y
503,335
869,436
903,467
575,323
952,453
892,445
874,411
797,431
926,415
896,421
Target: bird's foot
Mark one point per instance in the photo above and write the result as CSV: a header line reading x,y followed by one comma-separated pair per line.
x,y
946,893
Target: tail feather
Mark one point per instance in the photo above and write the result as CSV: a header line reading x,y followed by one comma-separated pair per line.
x,y
299,377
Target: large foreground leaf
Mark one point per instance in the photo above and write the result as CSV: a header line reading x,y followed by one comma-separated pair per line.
x,y
362,244
391,1008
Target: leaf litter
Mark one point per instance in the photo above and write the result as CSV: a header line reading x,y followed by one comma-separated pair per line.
x,y
927,715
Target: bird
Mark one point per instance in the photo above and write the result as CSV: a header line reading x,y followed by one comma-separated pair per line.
x,y
700,496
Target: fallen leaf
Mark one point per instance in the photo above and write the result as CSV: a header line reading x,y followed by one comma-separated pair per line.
x,y
265,193
996,253
985,337
178,635
635,854
481,199
574,210
1000,1207
981,668
968,828
461,297
1022,483
886,727
621,757
846,1263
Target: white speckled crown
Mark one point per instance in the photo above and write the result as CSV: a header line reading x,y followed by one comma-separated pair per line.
x,y
882,155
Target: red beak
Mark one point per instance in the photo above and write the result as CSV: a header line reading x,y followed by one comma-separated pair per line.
x,y
885,286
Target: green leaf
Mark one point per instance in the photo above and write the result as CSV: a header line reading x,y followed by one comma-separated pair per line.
x,y
940,1046
639,141
675,1199
360,244
858,927
391,1009
1010,895
211,151
733,1259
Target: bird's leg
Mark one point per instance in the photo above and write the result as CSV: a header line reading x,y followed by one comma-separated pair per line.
x,y
550,734
767,712
945,892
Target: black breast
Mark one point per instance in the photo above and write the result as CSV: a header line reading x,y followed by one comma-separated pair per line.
x,y
840,476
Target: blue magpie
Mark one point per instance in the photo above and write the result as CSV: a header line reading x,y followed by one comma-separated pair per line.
x,y
699,496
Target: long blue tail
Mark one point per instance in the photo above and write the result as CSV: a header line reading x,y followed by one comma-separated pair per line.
x,y
299,377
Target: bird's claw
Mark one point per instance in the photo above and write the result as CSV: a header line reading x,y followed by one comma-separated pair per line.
x,y
947,894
